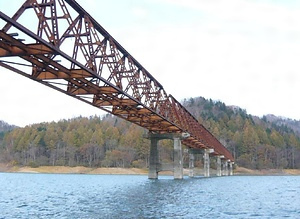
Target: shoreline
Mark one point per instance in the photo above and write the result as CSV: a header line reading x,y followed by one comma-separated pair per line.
x,y
73,170
267,172
240,171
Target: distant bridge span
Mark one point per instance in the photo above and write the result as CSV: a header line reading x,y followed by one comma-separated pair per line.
x,y
57,43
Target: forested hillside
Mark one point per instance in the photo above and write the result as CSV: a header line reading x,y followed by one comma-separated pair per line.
x,y
280,121
4,127
112,142
93,141
255,143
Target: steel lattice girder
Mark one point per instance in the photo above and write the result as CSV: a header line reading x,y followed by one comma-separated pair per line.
x,y
94,68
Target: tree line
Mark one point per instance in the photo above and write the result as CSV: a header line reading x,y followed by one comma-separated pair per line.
x,y
255,142
112,142
94,142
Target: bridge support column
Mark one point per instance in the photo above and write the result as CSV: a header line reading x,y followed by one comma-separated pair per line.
x,y
154,165
153,159
225,168
178,162
191,164
231,168
206,165
219,165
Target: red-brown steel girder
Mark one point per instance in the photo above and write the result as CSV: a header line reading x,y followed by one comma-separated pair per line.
x,y
94,68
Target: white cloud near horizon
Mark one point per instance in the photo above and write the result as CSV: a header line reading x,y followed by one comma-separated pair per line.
x,y
241,52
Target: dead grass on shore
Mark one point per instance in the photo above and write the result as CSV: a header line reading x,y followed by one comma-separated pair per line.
x,y
72,170
132,171
266,172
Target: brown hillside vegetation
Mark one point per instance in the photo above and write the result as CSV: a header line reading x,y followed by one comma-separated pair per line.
x,y
256,143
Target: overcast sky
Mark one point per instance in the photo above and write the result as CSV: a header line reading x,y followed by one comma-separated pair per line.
x,y
241,52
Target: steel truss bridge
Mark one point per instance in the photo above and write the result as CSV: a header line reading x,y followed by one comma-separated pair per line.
x,y
57,43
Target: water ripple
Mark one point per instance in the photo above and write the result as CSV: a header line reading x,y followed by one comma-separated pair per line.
x,y
100,196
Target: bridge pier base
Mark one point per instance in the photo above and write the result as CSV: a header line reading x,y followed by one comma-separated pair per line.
x,y
219,165
178,162
225,168
231,168
153,159
154,165
191,164
206,165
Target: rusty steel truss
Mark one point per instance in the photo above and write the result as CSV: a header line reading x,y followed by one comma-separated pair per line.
x,y
57,43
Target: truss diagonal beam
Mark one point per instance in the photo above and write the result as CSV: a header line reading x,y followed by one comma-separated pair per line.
x,y
66,49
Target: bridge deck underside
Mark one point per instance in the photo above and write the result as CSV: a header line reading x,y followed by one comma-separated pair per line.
x,y
94,68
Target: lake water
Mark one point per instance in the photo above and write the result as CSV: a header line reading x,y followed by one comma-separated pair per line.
x,y
118,196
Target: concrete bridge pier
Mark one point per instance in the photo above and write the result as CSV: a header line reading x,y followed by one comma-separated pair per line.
x,y
231,168
153,159
191,164
178,161
206,165
225,168
219,165
154,165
